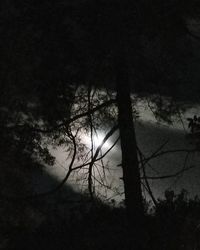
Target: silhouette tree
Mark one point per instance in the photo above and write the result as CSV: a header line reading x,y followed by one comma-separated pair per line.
x,y
118,45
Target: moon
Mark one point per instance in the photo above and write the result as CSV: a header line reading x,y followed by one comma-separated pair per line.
x,y
97,140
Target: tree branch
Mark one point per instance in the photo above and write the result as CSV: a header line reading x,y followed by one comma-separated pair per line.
x,y
145,177
110,133
65,122
167,176
59,186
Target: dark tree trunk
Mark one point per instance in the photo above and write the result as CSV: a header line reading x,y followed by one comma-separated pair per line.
x,y
130,165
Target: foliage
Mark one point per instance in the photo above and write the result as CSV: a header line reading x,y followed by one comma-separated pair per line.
x,y
174,225
49,50
178,219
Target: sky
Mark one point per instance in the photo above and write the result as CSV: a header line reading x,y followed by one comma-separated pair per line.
x,y
150,136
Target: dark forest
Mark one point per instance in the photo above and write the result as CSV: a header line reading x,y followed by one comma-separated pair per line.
x,y
77,70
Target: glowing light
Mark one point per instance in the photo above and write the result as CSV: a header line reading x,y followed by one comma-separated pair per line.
x,y
97,140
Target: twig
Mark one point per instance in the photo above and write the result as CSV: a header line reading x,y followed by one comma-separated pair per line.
x,y
145,178
167,176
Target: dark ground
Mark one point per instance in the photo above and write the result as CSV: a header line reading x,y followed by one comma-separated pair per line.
x,y
69,220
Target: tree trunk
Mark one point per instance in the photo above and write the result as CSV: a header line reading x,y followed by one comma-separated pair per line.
x,y
130,165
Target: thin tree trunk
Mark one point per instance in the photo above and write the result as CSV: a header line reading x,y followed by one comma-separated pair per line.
x,y
130,165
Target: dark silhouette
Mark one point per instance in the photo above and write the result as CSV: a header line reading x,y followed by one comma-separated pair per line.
x,y
49,50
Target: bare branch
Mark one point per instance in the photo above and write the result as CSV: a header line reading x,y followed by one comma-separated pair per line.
x,y
145,177
92,142
168,176
170,152
145,160
110,133
99,158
